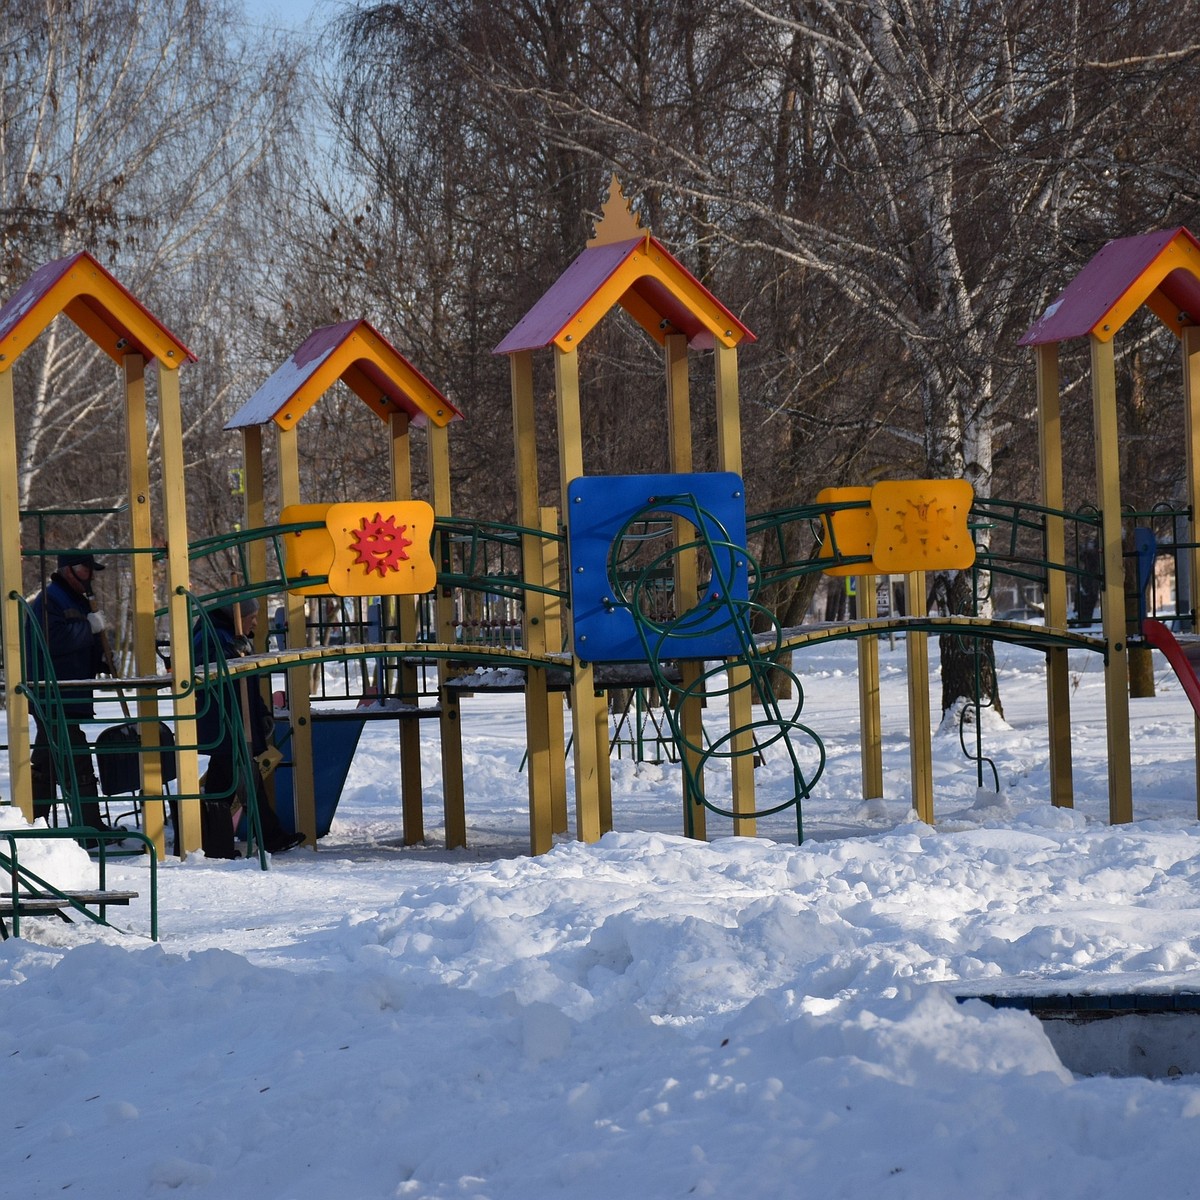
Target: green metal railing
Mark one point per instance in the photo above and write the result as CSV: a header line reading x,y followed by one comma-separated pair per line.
x,y
21,881
719,611
49,706
480,567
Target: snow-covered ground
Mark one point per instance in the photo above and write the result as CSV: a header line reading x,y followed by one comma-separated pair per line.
x,y
645,1017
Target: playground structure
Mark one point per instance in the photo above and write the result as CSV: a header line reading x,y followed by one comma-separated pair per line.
x,y
1161,272
645,583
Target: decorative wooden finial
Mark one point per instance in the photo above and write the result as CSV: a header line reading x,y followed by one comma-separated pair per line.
x,y
618,222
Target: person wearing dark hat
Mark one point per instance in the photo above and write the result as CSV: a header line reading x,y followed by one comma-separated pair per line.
x,y
71,625
234,626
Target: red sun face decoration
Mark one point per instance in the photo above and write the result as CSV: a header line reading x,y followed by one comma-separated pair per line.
x,y
380,545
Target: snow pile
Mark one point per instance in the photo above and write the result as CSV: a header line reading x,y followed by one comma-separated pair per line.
x,y
647,1016
60,862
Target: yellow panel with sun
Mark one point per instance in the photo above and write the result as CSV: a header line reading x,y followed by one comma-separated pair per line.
x,y
848,531
377,549
921,525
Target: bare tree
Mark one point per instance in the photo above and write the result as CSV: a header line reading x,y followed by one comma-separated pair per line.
x,y
142,133
886,190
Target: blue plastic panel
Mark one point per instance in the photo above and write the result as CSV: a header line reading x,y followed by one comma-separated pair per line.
x,y
598,509
334,744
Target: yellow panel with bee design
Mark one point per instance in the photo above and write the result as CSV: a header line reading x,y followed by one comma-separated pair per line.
x,y
921,525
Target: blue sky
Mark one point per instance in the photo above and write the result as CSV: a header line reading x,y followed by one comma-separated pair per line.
x,y
291,14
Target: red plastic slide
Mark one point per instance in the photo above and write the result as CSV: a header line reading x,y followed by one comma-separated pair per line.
x,y
1161,638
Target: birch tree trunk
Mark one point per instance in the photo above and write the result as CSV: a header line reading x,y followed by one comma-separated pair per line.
x,y
143,133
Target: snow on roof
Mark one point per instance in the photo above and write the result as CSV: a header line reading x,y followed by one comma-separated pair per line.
x,y
357,353
97,303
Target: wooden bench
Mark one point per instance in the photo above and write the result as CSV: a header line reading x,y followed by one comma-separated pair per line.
x,y
24,893
31,904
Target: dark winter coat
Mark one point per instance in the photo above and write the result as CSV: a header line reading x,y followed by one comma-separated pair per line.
x,y
75,651
208,718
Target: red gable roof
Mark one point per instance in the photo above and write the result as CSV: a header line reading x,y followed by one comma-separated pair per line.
x,y
106,311
643,277
1160,270
359,355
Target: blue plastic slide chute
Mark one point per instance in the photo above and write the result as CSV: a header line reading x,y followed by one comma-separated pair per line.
x,y
335,739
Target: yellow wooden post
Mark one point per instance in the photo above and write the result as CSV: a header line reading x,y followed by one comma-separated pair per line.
x,y
553,613
410,731
534,632
12,588
686,581
603,761
1190,336
254,516
588,825
919,725
1116,673
1058,680
299,677
137,458
454,804
174,494
729,458
870,724
254,512
538,764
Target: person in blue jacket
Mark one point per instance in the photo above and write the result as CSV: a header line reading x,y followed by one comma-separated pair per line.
x,y
218,815
72,628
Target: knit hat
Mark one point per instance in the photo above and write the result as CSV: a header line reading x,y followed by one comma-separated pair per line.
x,y
79,558
248,606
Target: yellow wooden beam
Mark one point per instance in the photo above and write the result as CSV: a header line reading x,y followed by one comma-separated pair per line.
x,y
1178,255
1108,488
254,516
90,297
454,802
108,314
288,416
1058,679
137,459
174,494
588,821
298,678
729,458
684,564
919,724
36,319
539,740
553,614
371,347
411,790
12,588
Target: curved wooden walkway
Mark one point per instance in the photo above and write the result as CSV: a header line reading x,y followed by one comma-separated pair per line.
x,y
1040,637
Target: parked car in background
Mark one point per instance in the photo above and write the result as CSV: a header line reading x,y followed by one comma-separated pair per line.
x,y
1029,613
